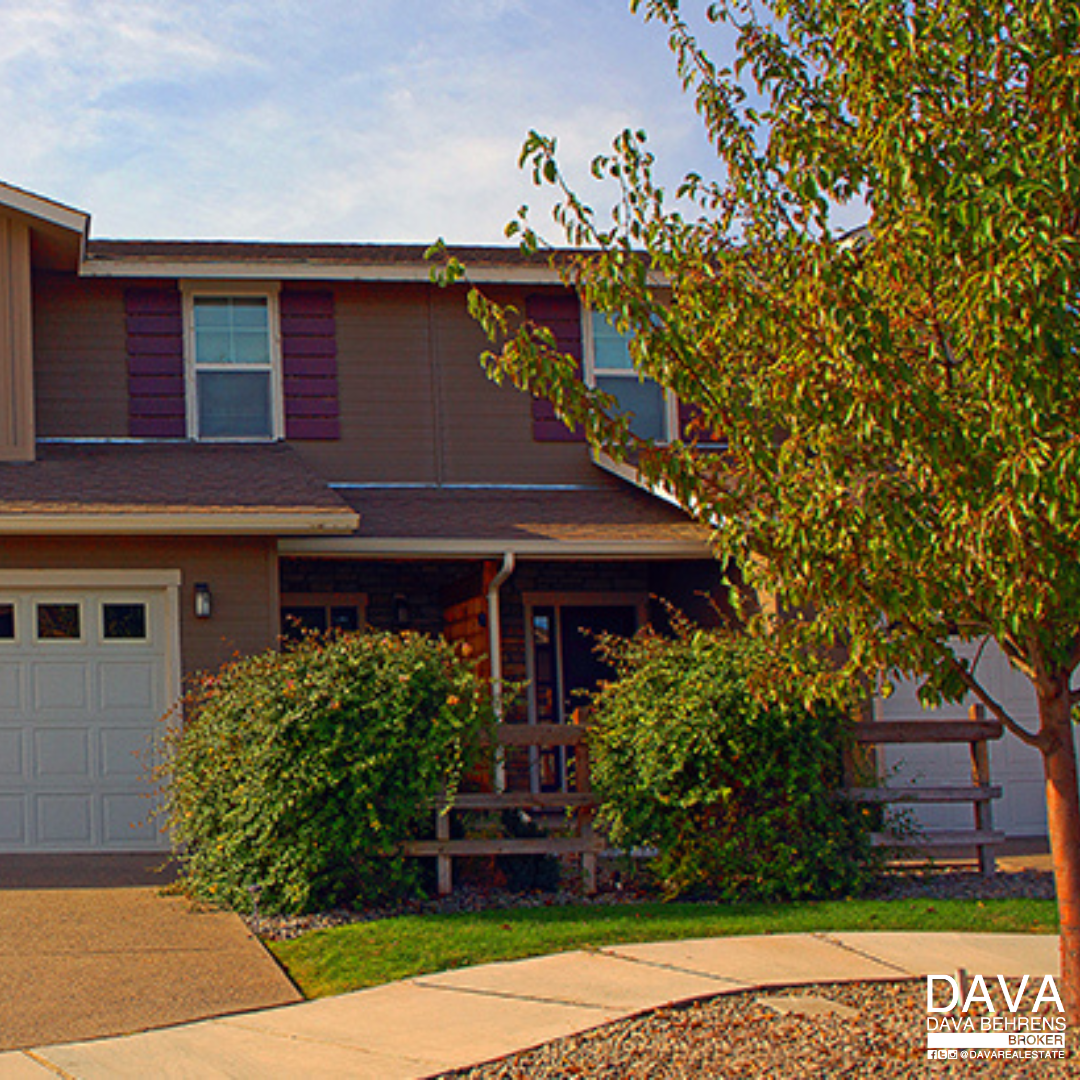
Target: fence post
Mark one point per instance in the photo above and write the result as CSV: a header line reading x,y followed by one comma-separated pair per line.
x,y
980,776
444,863
585,829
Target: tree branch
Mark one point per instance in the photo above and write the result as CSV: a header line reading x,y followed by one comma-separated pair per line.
x,y
976,688
993,706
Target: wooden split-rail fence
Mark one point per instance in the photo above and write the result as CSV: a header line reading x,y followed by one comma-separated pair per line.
x,y
978,733
580,804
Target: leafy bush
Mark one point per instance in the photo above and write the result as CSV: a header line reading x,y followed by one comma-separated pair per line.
x,y
736,798
298,773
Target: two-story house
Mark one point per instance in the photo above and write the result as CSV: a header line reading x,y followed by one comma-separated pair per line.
x,y
204,446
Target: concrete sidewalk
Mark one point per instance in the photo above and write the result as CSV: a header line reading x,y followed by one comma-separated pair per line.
x,y
425,1026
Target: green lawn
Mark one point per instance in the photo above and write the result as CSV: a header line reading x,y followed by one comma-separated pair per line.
x,y
368,954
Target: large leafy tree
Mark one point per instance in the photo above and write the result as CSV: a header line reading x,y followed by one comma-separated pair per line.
x,y
899,404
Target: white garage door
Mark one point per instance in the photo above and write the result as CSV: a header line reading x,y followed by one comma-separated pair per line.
x,y
83,687
1017,767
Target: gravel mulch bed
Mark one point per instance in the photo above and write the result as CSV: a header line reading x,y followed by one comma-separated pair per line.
x,y
738,1035
286,927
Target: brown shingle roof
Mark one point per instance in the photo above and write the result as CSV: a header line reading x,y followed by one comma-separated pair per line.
x,y
164,478
616,514
274,251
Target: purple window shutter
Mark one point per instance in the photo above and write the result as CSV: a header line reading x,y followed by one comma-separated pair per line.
x,y
690,429
561,313
155,349
309,361
687,415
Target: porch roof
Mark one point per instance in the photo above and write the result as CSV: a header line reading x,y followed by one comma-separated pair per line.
x,y
120,487
608,520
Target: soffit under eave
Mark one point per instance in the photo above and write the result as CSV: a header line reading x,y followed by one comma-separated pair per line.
x,y
57,233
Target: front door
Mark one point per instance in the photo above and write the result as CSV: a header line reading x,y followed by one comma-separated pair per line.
x,y
566,669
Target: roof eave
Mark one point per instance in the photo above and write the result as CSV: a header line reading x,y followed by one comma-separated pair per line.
x,y
282,270
246,523
492,547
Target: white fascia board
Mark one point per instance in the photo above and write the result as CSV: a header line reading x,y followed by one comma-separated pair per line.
x,y
633,476
35,206
302,271
181,524
395,548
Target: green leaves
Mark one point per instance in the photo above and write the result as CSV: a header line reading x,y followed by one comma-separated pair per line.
x,y
900,406
298,773
735,797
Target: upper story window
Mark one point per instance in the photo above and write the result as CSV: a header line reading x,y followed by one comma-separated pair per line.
x,y
610,367
233,360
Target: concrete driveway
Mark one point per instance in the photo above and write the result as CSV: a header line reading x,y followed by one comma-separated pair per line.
x,y
88,948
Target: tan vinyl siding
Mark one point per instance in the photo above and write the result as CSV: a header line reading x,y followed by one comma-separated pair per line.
x,y
241,573
416,405
80,357
384,388
487,429
16,343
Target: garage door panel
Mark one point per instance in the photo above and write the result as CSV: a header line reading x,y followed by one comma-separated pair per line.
x,y
13,820
126,821
126,752
83,685
1023,804
61,687
62,751
1015,766
12,765
127,686
11,687
64,818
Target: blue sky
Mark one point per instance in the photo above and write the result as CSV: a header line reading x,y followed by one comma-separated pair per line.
x,y
354,120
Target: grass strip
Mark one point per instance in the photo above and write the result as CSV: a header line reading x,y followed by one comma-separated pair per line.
x,y
352,957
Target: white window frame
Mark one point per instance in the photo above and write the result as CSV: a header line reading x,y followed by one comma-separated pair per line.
x,y
270,291
671,404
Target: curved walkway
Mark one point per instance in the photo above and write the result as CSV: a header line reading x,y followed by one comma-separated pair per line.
x,y
424,1026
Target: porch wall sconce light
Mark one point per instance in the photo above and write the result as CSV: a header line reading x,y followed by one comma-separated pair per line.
x,y
204,601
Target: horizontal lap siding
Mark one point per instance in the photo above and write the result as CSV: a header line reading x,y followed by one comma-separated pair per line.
x,y
155,349
489,429
309,362
384,384
80,357
241,573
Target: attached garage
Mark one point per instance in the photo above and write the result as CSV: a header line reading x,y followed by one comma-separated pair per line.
x,y
89,666
1015,766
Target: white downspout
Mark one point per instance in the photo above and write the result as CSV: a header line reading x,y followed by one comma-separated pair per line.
x,y
495,654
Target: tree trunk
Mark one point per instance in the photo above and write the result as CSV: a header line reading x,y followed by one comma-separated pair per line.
x,y
1063,818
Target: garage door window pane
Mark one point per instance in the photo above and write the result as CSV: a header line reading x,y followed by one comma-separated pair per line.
x,y
123,622
58,622
7,622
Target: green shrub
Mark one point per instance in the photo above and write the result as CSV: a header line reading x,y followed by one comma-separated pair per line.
x,y
736,798
298,773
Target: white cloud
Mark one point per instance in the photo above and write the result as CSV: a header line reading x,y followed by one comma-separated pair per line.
x,y
331,119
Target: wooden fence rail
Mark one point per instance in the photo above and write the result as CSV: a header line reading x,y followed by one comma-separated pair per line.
x,y
584,843
977,732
